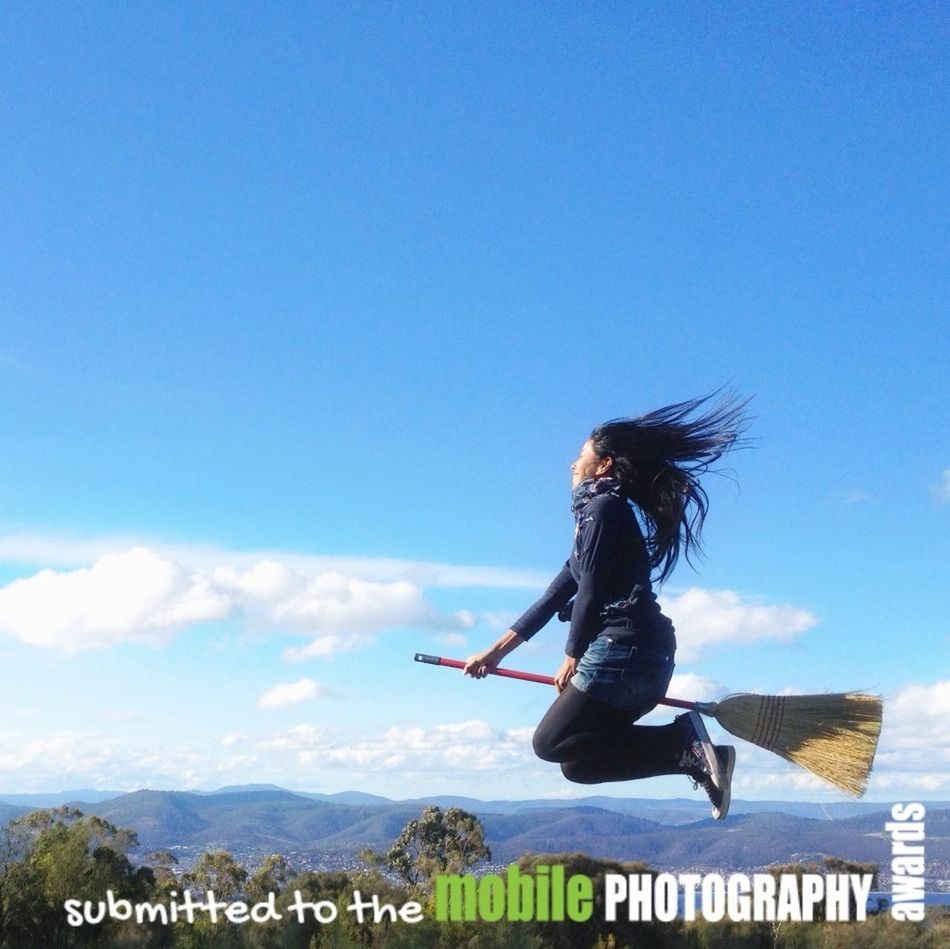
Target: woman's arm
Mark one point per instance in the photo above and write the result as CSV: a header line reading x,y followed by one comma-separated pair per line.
x,y
564,674
554,598
479,665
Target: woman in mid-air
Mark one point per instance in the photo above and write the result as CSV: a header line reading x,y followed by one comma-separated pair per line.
x,y
638,505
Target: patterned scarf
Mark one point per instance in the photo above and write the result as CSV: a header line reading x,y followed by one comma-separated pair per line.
x,y
592,488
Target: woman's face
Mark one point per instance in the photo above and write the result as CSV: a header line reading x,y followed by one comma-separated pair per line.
x,y
589,465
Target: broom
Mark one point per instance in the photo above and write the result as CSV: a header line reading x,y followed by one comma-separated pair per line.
x,y
833,736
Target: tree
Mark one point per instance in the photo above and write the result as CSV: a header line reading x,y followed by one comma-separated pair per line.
x,y
438,841
55,855
334,886
270,877
597,931
216,870
162,862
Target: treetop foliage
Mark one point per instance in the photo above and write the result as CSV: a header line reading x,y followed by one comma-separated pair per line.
x,y
57,854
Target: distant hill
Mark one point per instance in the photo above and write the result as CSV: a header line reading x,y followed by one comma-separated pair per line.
x,y
9,812
268,821
350,797
271,820
58,798
663,810
741,842
241,788
668,810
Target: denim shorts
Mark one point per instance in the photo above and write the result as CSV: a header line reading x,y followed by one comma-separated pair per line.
x,y
624,675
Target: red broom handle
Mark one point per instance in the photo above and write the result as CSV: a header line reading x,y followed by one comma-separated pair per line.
x,y
527,676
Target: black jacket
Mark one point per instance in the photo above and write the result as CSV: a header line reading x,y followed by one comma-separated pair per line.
x,y
608,575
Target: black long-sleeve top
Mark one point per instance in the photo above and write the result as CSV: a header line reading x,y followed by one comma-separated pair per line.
x,y
608,574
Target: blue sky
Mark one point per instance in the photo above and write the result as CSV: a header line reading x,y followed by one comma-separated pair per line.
x,y
306,310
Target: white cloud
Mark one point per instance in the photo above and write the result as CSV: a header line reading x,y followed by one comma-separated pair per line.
x,y
788,782
89,759
941,490
903,781
153,593
344,610
290,693
915,737
29,548
452,640
67,751
711,617
135,595
123,715
473,746
856,496
919,706
323,647
913,759
466,754
142,596
687,686
695,688
500,619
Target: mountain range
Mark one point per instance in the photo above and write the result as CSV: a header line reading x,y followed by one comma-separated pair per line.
x,y
674,834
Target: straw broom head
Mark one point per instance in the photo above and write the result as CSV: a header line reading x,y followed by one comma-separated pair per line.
x,y
834,736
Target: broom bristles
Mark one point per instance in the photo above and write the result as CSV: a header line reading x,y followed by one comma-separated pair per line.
x,y
833,736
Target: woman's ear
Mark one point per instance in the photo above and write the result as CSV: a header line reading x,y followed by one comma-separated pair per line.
x,y
605,467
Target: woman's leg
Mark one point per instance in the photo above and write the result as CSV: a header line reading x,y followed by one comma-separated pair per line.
x,y
595,742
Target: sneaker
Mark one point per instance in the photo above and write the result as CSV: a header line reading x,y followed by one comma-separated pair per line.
x,y
708,765
721,795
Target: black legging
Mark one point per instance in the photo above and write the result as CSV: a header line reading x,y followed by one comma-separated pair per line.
x,y
595,742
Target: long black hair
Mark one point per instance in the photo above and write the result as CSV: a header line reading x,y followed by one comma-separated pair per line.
x,y
659,458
